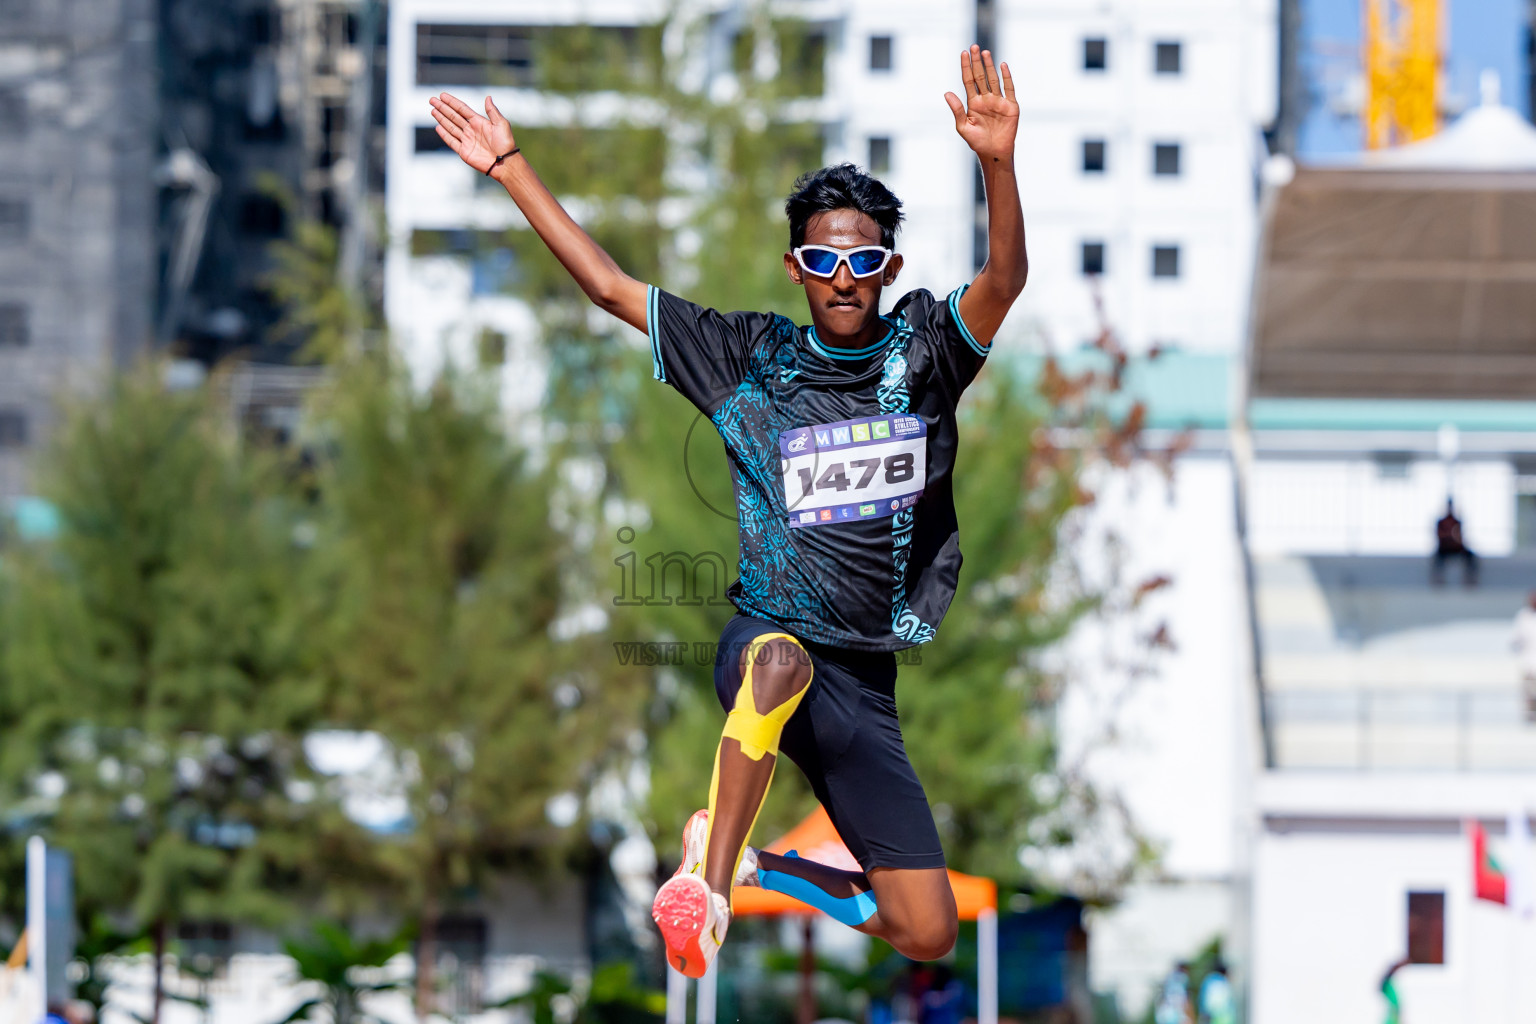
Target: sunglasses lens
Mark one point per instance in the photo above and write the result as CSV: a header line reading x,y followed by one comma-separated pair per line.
x,y
866,262
819,261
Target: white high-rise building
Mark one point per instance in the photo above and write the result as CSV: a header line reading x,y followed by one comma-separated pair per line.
x,y
1140,139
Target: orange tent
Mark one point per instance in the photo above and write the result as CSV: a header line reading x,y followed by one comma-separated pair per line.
x,y
816,839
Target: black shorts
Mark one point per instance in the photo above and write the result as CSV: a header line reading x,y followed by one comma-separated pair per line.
x,y
845,738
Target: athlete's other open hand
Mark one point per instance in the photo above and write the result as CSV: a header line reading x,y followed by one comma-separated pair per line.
x,y
988,121
478,140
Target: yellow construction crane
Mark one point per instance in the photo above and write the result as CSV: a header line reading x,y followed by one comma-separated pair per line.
x,y
1402,71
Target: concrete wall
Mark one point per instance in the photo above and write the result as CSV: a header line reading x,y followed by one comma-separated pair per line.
x,y
1178,745
77,144
1336,857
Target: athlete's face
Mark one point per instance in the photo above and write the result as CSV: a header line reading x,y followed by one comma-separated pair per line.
x,y
844,308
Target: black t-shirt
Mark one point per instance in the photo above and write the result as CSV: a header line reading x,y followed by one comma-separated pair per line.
x,y
841,461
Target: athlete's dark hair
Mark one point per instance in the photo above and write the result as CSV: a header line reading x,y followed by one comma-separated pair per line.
x,y
842,187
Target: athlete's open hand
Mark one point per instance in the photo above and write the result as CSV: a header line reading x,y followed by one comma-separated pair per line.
x,y
478,140
989,119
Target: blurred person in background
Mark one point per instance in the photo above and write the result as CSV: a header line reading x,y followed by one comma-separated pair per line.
x,y
1390,994
1217,1003
943,1001
842,438
1525,645
1449,544
1173,1002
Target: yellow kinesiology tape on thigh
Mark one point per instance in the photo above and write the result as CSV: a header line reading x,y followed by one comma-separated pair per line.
x,y
757,733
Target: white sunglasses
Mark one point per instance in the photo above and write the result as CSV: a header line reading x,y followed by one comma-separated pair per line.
x,y
862,260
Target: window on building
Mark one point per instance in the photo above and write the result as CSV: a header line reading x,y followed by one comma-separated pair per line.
x,y
593,58
1095,54
1168,58
14,331
261,216
493,271
15,220
474,54
1093,259
1093,156
1426,927
428,141
802,59
1392,465
1165,261
879,155
213,940
1165,159
493,347
13,428
880,53
13,111
258,27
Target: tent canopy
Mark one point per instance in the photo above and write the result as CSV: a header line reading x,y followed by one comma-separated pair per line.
x,y
816,839
1411,273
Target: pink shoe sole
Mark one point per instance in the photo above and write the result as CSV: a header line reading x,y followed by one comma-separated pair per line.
x,y
681,911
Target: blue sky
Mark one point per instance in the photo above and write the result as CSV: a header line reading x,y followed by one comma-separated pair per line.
x,y
1482,34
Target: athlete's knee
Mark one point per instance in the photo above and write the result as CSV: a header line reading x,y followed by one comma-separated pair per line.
x,y
928,941
781,670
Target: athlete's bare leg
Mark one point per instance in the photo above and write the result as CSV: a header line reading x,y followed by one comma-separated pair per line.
x,y
915,907
780,671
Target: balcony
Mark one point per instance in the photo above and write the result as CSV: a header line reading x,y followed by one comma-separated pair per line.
x,y
1367,666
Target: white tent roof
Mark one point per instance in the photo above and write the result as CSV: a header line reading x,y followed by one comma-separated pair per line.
x,y
1489,137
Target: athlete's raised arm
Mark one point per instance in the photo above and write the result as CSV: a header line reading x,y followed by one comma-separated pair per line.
x,y
484,143
988,121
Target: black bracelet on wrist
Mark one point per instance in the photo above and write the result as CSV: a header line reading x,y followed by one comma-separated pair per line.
x,y
511,152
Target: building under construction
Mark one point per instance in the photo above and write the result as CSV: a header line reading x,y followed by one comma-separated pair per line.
x,y
150,152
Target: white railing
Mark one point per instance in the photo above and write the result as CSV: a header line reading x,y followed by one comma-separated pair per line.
x,y
1387,729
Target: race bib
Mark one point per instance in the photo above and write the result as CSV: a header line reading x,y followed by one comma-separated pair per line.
x,y
866,468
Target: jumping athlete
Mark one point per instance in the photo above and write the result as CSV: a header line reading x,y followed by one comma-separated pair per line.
x,y
841,437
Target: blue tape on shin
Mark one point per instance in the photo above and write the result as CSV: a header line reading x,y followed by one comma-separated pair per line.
x,y
850,910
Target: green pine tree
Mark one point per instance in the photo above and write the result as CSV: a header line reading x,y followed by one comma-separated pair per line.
x,y
444,630
159,666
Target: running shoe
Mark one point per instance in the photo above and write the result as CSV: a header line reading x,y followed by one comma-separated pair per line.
x,y
693,920
695,842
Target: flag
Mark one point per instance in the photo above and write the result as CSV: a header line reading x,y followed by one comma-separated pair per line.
x,y
1519,890
1488,882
